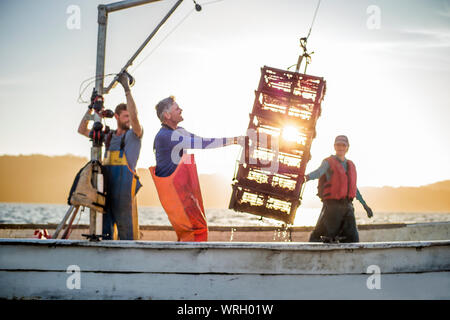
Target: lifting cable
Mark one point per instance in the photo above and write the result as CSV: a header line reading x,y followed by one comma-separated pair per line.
x,y
313,20
303,42
308,58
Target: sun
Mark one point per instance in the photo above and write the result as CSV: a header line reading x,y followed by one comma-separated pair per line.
x,y
290,133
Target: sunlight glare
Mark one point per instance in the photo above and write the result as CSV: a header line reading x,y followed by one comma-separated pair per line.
x,y
290,133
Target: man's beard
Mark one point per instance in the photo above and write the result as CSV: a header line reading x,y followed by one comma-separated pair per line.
x,y
123,126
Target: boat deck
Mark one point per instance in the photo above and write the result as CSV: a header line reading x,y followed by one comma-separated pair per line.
x,y
367,233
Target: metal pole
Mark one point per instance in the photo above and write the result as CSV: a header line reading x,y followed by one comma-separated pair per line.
x,y
67,232
116,6
101,46
130,62
63,222
102,20
95,218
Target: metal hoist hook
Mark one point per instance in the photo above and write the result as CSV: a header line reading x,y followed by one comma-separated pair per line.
x,y
305,54
303,41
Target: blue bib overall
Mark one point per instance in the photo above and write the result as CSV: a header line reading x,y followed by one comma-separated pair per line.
x,y
122,185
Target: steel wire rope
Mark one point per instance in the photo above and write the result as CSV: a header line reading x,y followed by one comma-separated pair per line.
x,y
314,19
80,92
309,32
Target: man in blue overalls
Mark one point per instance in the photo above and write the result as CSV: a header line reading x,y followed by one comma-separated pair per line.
x,y
122,148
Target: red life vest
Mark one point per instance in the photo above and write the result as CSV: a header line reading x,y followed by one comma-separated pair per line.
x,y
341,185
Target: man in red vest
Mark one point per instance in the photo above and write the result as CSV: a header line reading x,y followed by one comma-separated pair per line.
x,y
337,189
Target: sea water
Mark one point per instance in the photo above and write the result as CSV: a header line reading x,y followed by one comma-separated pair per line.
x,y
15,213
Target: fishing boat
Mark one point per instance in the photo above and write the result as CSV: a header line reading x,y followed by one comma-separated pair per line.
x,y
238,263
392,261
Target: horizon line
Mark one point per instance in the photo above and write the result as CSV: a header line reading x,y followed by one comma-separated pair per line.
x,y
210,174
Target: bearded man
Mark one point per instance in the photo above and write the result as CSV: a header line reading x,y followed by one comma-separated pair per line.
x,y
122,148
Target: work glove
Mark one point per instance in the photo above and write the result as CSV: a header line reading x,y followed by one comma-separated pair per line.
x,y
368,210
124,80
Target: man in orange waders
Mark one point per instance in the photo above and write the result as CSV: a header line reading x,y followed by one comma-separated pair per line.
x,y
336,189
175,173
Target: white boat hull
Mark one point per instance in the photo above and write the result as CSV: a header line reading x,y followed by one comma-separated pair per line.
x,y
42,269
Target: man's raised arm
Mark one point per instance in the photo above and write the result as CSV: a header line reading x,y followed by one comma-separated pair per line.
x,y
131,106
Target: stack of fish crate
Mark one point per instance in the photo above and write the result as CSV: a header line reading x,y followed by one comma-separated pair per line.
x,y
270,174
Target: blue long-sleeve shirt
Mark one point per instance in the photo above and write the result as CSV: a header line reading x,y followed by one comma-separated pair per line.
x,y
169,145
324,169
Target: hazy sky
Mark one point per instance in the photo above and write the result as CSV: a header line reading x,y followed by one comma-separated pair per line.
x,y
387,87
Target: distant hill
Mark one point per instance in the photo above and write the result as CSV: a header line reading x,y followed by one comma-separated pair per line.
x,y
44,179
37,178
429,198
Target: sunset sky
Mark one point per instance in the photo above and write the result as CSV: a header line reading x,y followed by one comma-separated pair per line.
x,y
388,88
